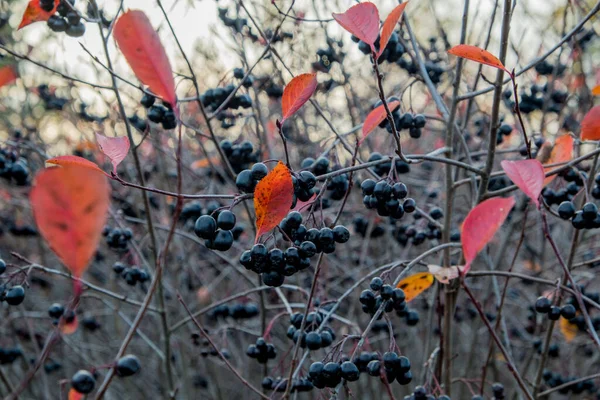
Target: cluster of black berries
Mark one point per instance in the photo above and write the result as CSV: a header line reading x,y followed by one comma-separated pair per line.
x,y
385,198
434,71
275,265
247,179
274,91
535,99
56,310
420,393
217,233
411,233
66,18
236,311
586,218
131,274
385,167
331,374
9,355
310,338
392,52
556,379
280,384
275,37
159,113
50,99
213,98
364,358
326,59
304,186
543,305
503,130
240,156
538,142
553,349
261,351
407,121
323,240
372,302
237,24
545,68
138,123
336,187
13,295
207,348
238,73
394,366
117,238
14,168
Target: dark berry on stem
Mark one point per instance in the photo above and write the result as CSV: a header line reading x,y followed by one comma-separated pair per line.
x,y
15,295
554,313
542,305
566,210
83,382
127,365
226,220
205,227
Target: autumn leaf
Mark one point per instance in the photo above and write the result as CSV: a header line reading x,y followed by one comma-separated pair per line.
x,y
442,274
34,13
273,198
376,117
64,161
590,126
562,152
296,93
596,90
115,148
568,329
361,20
69,327
8,74
75,395
528,175
476,54
415,284
145,54
69,206
205,162
481,225
389,25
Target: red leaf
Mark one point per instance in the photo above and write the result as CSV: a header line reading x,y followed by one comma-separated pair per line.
x,y
34,13
376,117
528,175
69,328
590,126
273,198
389,25
476,54
8,74
361,20
69,206
481,225
146,55
65,161
596,90
562,151
74,395
296,93
115,148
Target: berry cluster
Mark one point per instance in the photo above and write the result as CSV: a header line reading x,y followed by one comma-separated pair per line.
x,y
9,355
323,240
50,99
274,91
117,238
304,186
372,302
503,130
407,121
280,384
545,68
384,168
159,113
434,71
586,218
385,198
66,18
217,233
361,225
238,73
247,179
535,99
131,274
326,59
394,366
543,305
337,186
331,374
213,98
13,168
310,338
240,156
207,348
556,379
236,311
392,52
261,351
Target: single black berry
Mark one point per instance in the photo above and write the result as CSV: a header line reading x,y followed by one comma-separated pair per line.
x,y
83,382
127,365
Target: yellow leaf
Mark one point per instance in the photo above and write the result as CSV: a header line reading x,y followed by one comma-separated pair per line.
x,y
568,329
415,284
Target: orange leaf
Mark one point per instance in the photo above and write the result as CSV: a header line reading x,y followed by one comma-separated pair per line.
x,y
415,284
562,151
8,74
528,175
64,161
481,225
69,328
145,54
75,395
115,148
296,93
568,329
361,20
69,206
389,25
273,198
590,126
476,54
596,90
376,117
205,162
34,13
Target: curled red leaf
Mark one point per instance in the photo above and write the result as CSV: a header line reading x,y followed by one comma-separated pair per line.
x,y
361,20
376,117
389,25
296,93
115,148
476,54
590,126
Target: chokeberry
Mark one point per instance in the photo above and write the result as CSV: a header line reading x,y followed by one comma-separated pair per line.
x,y
566,210
83,382
226,220
542,305
127,365
15,295
205,227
